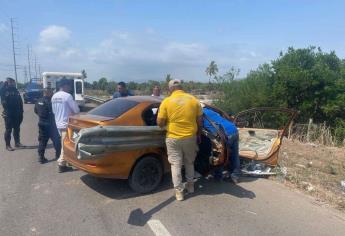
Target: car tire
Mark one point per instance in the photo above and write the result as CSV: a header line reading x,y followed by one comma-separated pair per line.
x,y
146,176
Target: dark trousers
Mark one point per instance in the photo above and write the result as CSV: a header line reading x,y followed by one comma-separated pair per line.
x,y
233,144
12,123
46,132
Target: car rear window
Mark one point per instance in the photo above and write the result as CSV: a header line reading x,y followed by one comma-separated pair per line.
x,y
113,108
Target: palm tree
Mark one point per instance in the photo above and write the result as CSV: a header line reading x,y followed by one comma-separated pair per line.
x,y
211,70
168,78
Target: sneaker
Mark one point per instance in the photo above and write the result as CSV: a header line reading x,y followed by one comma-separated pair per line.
x,y
235,178
64,169
179,195
19,145
190,187
9,148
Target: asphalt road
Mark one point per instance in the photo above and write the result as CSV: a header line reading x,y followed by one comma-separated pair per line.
x,y
36,200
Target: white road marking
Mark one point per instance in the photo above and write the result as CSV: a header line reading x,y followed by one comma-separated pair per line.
x,y
252,212
158,228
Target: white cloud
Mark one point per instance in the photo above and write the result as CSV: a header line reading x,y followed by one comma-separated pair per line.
x,y
3,27
54,39
140,56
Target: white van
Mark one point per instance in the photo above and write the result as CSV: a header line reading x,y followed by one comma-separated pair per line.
x,y
51,80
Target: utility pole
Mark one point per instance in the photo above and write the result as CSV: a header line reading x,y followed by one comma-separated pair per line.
x,y
25,75
29,64
14,54
35,67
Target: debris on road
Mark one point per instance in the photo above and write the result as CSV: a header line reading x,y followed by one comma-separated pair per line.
x,y
300,165
257,169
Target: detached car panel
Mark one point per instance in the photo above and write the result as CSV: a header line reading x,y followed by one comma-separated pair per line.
x,y
261,131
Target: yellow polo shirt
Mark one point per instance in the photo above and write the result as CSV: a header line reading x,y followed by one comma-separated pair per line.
x,y
180,110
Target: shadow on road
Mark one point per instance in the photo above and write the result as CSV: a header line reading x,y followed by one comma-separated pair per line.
x,y
206,187
203,187
138,218
119,189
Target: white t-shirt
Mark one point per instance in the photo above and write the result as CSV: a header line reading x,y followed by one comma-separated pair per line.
x,y
63,106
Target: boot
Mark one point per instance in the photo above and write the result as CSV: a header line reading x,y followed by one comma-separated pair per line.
x,y
9,148
190,187
179,194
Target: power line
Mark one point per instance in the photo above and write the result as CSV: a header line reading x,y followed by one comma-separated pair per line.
x,y
29,64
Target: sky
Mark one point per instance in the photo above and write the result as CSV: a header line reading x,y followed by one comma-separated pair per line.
x,y
146,40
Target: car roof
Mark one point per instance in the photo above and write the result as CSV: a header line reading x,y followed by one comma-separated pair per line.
x,y
141,99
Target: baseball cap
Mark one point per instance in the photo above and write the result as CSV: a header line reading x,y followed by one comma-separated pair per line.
x,y
174,82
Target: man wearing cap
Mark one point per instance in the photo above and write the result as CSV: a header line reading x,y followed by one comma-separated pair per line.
x,y
12,112
181,113
46,126
63,106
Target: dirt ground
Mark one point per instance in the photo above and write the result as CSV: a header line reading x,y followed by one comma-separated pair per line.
x,y
314,169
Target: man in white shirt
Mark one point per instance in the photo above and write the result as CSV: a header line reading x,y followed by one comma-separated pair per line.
x,y
63,106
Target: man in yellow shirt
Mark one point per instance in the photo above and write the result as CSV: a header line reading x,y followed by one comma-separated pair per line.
x,y
181,113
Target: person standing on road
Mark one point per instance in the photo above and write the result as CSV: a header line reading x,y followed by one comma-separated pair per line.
x,y
122,91
46,126
181,113
63,106
12,113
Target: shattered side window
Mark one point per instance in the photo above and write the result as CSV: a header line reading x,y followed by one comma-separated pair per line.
x,y
113,108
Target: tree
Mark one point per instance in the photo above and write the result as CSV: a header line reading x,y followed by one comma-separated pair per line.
x,y
211,70
168,78
102,83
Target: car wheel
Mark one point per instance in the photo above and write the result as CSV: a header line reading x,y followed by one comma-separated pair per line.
x,y
146,175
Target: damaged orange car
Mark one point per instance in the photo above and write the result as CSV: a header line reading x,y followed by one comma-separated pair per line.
x,y
120,139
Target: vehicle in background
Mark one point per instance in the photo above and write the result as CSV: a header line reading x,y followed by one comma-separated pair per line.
x,y
33,91
51,80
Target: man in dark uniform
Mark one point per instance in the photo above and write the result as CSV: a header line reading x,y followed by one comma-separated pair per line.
x,y
12,113
46,126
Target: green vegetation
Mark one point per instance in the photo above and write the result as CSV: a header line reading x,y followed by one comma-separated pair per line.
x,y
308,80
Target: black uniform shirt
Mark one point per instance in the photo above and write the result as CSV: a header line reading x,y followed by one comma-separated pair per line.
x,y
11,102
43,108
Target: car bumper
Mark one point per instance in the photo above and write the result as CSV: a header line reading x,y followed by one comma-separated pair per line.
x,y
117,165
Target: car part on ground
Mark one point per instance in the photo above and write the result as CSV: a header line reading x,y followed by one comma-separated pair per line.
x,y
257,169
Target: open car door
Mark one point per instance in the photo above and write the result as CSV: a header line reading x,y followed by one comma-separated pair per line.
x,y
261,131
